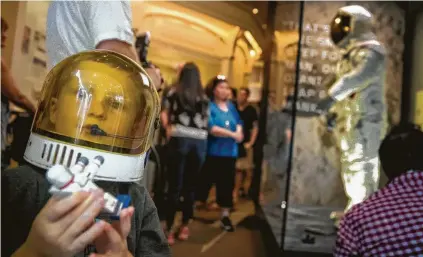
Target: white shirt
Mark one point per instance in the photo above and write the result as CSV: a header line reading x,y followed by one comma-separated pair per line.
x,y
76,26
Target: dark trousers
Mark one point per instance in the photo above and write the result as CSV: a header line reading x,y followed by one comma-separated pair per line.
x,y
186,157
221,172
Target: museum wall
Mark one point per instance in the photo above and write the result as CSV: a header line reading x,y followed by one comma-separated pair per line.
x,y
25,44
316,167
9,12
416,97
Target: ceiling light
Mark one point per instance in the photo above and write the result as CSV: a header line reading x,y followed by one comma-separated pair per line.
x,y
252,53
255,10
252,42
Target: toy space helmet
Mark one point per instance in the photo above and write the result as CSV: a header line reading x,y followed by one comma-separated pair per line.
x,y
96,103
351,23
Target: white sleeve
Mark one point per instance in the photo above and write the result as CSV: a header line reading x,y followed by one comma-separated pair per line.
x,y
110,20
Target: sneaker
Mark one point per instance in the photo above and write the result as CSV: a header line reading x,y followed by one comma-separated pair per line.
x,y
200,206
183,233
170,239
226,224
213,207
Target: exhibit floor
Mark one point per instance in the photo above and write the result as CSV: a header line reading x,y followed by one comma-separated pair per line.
x,y
308,228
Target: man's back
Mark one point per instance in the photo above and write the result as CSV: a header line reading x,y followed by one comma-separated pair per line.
x,y
76,26
389,222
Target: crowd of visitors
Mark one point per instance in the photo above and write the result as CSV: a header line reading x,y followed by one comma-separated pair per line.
x,y
208,132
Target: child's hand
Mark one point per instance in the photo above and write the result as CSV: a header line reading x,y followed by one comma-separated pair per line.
x,y
112,242
64,227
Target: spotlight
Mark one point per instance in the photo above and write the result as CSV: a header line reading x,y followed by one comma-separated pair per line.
x,y
255,10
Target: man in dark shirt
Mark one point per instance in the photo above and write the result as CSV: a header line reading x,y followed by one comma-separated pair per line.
x,y
244,163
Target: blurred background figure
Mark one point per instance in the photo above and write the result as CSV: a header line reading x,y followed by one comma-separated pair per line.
x,y
225,128
276,150
9,92
278,128
244,164
232,95
109,28
184,117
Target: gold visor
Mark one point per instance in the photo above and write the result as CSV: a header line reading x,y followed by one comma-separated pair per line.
x,y
340,27
101,100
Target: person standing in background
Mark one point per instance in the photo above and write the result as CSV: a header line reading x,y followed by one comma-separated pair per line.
x,y
233,95
184,116
225,131
276,148
244,164
9,92
76,26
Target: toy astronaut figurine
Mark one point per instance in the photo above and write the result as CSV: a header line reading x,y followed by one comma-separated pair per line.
x,y
356,100
80,178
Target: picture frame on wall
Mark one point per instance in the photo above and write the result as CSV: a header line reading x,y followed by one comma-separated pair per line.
x,y
40,41
26,40
40,57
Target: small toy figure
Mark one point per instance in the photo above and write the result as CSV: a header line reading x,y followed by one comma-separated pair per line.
x,y
79,177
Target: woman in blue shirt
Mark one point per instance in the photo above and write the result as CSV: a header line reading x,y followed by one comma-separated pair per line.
x,y
225,131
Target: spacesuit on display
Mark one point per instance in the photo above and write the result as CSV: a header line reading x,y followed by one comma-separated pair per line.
x,y
355,104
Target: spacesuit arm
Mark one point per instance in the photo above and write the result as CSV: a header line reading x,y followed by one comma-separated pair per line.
x,y
360,77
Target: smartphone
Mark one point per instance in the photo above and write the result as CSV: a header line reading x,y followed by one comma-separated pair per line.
x,y
141,44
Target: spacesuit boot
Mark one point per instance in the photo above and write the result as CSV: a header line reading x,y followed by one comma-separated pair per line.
x,y
358,98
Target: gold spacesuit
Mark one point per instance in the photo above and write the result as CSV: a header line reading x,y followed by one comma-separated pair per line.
x,y
357,97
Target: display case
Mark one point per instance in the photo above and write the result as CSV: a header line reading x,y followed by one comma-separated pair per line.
x,y
302,168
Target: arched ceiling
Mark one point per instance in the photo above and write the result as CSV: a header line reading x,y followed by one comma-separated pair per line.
x,y
177,27
236,13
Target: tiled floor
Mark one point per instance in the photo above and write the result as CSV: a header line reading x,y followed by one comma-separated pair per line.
x,y
208,240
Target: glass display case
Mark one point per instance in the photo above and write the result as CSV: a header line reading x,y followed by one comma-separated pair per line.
x,y
302,171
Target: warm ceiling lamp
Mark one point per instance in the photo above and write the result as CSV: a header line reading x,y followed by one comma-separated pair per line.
x,y
255,10
255,46
252,53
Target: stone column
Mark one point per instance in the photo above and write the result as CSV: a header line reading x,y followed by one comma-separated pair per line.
x,y
227,67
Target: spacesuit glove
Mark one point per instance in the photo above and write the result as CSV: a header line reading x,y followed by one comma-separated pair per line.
x,y
64,227
331,121
324,105
112,242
